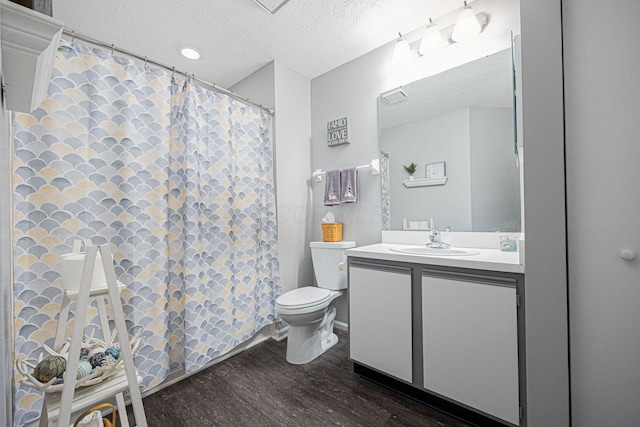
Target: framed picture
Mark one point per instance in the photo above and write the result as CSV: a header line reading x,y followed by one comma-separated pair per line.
x,y
338,132
435,170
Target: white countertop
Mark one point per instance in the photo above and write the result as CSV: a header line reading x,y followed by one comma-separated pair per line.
x,y
487,259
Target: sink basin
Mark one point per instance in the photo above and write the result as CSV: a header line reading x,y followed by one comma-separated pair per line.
x,y
425,250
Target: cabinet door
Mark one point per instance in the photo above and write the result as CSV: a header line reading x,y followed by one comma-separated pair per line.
x,y
380,319
470,344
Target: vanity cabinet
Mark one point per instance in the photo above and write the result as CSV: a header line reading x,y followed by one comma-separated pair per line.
x,y
470,341
380,318
449,336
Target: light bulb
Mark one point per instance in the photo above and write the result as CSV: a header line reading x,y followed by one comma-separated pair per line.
x,y
403,53
467,25
432,40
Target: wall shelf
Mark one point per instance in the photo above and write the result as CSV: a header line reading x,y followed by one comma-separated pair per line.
x,y
425,182
29,46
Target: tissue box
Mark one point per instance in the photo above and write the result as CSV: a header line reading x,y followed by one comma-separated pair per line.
x,y
332,232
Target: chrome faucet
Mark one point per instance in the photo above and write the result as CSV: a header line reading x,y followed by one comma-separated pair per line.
x,y
435,240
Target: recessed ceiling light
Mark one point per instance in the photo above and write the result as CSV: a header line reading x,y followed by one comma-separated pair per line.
x,y
190,53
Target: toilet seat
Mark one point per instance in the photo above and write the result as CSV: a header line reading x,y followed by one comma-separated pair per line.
x,y
305,300
303,297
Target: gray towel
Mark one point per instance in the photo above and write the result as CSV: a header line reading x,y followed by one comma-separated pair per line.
x,y
349,185
332,188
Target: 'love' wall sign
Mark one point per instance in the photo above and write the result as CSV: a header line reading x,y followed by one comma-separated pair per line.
x,y
338,132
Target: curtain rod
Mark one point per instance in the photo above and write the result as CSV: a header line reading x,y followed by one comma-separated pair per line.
x,y
212,86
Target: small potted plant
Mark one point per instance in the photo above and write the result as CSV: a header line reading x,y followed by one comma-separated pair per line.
x,y
411,169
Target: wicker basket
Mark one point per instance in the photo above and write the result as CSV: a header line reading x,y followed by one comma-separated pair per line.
x,y
332,232
105,421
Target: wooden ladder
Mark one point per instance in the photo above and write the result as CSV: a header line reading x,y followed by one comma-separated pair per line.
x,y
60,405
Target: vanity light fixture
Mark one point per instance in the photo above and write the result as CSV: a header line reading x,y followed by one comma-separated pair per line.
x,y
403,53
467,25
190,53
432,40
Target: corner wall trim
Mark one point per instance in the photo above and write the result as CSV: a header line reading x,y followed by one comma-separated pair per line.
x,y
547,366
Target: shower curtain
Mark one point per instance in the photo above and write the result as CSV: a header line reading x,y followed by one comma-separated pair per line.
x,y
222,220
385,180
177,178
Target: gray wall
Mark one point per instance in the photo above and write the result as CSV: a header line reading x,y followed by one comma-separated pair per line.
x,y
350,90
277,86
482,191
293,174
495,179
602,94
443,138
259,86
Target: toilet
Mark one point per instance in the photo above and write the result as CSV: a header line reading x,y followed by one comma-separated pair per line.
x,y
309,310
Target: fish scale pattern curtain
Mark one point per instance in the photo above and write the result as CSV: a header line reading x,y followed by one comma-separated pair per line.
x,y
178,179
222,220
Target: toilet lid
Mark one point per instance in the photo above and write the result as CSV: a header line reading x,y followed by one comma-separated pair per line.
x,y
304,297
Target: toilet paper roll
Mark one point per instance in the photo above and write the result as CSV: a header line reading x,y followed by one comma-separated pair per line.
x,y
72,265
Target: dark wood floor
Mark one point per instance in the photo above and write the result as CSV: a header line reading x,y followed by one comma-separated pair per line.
x,y
259,388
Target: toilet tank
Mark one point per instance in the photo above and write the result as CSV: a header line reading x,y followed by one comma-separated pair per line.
x,y
326,256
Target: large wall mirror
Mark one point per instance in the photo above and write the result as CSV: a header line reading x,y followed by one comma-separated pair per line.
x,y
458,127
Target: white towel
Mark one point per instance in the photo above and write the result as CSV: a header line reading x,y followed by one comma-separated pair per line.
x,y
94,419
349,185
332,188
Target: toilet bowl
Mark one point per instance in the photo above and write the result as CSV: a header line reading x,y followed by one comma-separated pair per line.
x,y
309,310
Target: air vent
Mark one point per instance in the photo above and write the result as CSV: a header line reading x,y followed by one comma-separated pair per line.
x,y
271,6
395,95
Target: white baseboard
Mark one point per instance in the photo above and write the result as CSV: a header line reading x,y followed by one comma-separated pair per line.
x,y
279,331
341,325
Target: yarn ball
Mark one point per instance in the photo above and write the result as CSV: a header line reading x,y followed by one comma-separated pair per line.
x,y
94,350
113,352
84,353
84,368
108,362
50,367
97,359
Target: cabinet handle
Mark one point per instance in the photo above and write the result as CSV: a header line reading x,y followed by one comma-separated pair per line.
x,y
474,278
381,267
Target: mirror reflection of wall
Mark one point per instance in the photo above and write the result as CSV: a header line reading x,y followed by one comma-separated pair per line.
x,y
463,117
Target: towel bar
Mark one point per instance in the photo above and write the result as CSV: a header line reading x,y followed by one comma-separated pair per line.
x,y
374,166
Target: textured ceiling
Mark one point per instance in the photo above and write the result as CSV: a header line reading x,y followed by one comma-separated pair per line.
x,y
485,82
237,37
